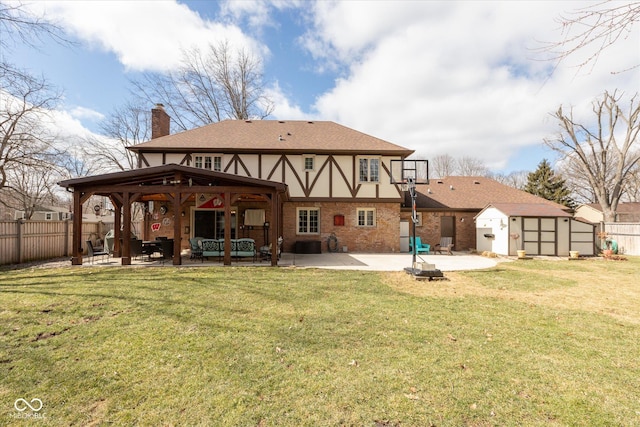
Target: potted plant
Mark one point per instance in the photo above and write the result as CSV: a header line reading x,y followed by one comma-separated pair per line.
x,y
605,244
521,252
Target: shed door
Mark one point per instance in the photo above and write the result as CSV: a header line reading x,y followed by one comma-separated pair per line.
x,y
540,236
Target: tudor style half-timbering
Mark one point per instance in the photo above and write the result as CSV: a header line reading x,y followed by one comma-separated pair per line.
x,y
337,178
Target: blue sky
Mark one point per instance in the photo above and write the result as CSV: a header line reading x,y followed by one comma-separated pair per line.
x,y
458,78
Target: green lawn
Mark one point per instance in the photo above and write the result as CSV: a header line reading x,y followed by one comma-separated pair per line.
x,y
526,343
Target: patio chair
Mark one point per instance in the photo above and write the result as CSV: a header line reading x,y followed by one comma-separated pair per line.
x,y
265,251
420,247
196,248
91,253
446,244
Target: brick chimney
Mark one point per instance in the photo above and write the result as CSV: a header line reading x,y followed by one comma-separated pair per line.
x,y
160,121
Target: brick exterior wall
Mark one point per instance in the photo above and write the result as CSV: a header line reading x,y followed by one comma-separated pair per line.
x,y
383,238
430,231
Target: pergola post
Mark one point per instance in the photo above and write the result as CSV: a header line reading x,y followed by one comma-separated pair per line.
x,y
275,226
77,229
117,227
177,222
126,231
227,228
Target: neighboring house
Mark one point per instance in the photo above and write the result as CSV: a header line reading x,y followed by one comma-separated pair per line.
x,y
537,228
45,213
627,212
447,207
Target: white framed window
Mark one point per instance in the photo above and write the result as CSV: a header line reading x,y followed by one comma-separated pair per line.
x,y
308,221
369,169
217,163
207,162
366,217
48,216
309,163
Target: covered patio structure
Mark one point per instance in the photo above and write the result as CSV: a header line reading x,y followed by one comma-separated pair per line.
x,y
170,195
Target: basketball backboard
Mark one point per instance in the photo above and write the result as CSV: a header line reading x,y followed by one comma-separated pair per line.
x,y
405,171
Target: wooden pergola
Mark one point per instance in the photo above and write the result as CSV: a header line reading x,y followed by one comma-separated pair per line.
x,y
177,185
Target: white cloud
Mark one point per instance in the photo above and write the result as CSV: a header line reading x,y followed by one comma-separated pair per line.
x,y
144,35
283,107
86,113
456,77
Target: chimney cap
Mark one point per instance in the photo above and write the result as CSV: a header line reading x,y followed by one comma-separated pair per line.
x,y
160,105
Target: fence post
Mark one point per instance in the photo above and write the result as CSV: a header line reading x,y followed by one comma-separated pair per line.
x,y
66,238
19,242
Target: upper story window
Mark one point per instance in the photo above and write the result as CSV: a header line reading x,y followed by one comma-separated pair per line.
x,y
208,162
369,169
198,161
309,163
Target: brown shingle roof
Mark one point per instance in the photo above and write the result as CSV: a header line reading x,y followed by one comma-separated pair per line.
x,y
624,207
530,209
263,136
473,193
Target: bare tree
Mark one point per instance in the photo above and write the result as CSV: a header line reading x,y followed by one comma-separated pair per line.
x,y
209,86
30,187
633,187
446,165
577,182
595,152
24,140
442,166
28,152
17,25
126,126
515,179
599,25
471,166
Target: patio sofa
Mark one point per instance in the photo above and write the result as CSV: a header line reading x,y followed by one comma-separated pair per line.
x,y
240,248
212,247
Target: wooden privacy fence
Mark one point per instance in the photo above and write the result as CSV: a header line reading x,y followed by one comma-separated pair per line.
x,y
626,234
24,241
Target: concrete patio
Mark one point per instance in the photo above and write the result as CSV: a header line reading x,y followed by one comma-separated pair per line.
x,y
337,261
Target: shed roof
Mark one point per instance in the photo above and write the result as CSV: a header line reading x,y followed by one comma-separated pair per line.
x,y
262,136
529,210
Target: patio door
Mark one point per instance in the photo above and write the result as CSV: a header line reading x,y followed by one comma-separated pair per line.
x,y
209,223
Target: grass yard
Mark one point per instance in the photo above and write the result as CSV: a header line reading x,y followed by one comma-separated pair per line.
x,y
528,343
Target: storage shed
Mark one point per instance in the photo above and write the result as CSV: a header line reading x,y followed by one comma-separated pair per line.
x,y
539,229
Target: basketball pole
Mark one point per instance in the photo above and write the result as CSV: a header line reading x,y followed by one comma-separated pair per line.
x,y
414,219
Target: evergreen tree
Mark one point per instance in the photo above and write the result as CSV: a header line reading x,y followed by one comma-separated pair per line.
x,y
543,182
